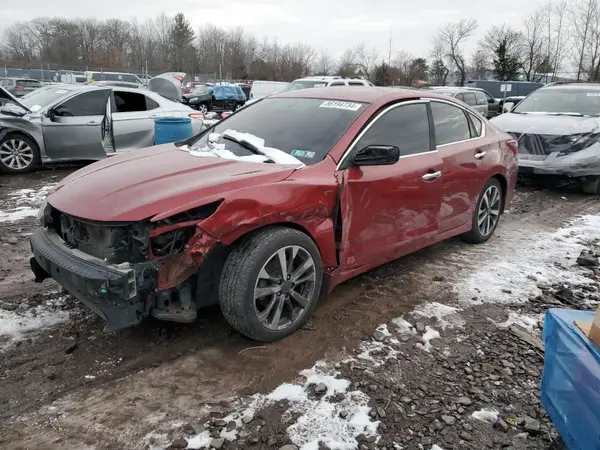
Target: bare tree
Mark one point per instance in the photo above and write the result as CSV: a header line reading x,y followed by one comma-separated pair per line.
x,y
438,68
583,17
556,26
534,43
451,38
365,59
325,64
480,64
347,66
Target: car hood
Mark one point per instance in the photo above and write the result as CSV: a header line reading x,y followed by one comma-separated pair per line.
x,y
545,124
161,180
8,96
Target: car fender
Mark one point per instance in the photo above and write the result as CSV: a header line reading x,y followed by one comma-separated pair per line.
x,y
294,203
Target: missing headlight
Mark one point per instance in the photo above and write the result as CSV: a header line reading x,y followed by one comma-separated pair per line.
x,y
172,242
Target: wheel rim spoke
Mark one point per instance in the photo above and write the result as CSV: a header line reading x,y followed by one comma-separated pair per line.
x,y
489,210
302,301
285,287
16,154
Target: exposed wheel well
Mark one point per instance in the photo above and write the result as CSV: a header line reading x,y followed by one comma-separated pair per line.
x,y
504,185
209,273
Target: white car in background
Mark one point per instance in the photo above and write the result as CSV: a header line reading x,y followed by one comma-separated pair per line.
x,y
262,89
326,81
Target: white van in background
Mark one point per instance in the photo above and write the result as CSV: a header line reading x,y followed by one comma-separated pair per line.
x,y
262,89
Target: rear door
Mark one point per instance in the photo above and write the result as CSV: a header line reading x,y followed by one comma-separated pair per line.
x,y
76,131
389,211
133,120
458,141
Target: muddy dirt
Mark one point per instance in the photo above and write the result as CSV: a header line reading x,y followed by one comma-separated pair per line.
x,y
115,388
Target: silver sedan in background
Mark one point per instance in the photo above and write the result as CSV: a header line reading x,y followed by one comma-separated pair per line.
x,y
72,122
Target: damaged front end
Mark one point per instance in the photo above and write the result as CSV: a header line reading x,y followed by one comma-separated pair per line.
x,y
125,271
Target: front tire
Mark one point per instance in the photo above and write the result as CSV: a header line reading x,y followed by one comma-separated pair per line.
x,y
270,283
203,108
487,213
18,154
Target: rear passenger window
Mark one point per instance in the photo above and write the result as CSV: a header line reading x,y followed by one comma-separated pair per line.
x,y
476,125
406,127
337,84
355,83
450,123
470,98
459,97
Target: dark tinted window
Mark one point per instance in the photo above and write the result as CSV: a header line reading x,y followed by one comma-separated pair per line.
x,y
476,125
480,97
470,98
337,83
283,124
406,127
133,102
450,123
355,83
29,83
86,104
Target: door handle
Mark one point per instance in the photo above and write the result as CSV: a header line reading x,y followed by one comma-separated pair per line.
x,y
433,175
91,124
480,155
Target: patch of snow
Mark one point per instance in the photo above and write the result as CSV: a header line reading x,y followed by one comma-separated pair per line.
x,y
512,276
486,415
436,447
15,326
403,327
447,316
383,329
279,156
523,320
24,203
288,391
428,336
200,440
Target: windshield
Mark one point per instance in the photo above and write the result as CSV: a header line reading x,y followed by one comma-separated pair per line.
x,y
567,100
304,128
304,84
43,97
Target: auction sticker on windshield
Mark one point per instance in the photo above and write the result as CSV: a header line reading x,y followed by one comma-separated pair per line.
x,y
341,105
303,154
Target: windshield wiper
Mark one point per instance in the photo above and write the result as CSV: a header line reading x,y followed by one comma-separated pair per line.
x,y
248,146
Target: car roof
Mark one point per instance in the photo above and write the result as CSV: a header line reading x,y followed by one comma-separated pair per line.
x,y
448,88
20,78
574,86
368,94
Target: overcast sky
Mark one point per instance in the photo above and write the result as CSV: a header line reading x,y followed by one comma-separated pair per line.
x,y
332,24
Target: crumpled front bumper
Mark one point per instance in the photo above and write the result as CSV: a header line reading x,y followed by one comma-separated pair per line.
x,y
572,166
109,290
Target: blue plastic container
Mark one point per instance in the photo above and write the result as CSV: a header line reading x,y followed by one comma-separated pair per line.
x,y
571,381
172,129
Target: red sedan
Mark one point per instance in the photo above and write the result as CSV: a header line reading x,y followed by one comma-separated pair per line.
x,y
274,205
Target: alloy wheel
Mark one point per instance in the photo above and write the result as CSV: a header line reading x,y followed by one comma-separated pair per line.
x,y
203,109
489,210
284,288
16,154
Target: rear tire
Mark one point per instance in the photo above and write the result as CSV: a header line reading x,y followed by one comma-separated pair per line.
x,y
18,154
591,187
264,298
487,213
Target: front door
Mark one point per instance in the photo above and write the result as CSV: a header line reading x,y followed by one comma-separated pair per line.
x,y
75,131
389,211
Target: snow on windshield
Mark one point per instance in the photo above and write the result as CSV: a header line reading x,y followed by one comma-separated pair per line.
x,y
213,148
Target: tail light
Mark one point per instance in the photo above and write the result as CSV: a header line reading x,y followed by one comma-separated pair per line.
x,y
197,116
513,146
20,87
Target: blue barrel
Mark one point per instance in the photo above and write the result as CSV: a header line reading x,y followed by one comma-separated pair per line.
x,y
171,129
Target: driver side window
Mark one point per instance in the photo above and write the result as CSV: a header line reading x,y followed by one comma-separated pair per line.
x,y
405,127
91,103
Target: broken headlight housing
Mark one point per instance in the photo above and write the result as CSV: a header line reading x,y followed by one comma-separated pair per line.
x,y
577,142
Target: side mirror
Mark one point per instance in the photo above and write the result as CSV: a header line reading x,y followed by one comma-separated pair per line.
x,y
51,114
508,107
377,155
491,101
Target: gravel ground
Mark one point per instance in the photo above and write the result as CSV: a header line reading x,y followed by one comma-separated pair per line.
x,y
66,384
